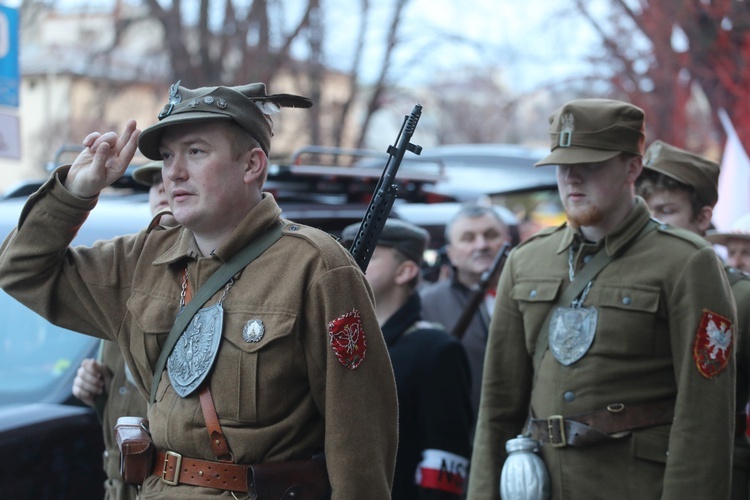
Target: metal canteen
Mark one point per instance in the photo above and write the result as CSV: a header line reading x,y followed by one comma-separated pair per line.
x,y
524,475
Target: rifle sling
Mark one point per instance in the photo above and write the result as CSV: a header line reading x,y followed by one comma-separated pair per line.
x,y
217,280
588,273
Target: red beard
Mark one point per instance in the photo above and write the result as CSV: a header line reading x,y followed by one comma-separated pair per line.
x,y
584,216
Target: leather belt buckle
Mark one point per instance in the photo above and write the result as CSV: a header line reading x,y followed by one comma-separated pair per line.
x,y
556,431
178,466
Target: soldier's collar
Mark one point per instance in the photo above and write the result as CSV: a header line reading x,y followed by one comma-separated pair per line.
x,y
621,236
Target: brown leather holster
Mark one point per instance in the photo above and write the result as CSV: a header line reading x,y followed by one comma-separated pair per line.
x,y
614,422
294,480
136,449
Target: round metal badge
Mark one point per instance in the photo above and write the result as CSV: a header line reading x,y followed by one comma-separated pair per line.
x,y
253,331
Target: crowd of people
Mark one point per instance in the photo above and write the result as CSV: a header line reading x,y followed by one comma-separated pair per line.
x,y
263,362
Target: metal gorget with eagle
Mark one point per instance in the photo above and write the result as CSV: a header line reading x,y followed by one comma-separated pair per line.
x,y
195,351
572,329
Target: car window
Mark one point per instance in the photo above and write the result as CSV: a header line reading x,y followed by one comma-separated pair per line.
x,y
35,356
38,360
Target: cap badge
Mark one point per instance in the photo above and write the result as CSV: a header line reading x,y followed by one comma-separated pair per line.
x,y
566,130
253,331
208,99
193,103
221,103
174,98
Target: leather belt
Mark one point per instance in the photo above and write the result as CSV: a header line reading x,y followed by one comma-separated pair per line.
x,y
597,426
175,469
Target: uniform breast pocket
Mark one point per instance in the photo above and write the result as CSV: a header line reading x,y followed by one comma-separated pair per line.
x,y
259,373
628,319
535,298
154,317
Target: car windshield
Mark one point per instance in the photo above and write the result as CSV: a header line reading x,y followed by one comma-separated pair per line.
x,y
35,356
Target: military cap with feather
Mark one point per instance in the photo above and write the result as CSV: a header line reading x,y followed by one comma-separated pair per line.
x,y
247,105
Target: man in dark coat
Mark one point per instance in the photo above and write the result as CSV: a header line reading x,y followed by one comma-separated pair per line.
x,y
431,370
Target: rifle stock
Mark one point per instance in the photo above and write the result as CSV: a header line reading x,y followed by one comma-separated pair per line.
x,y
479,290
385,193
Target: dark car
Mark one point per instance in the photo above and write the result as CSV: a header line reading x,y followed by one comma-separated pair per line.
x,y
455,172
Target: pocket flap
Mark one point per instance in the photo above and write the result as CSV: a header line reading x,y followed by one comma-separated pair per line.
x,y
536,290
633,298
258,330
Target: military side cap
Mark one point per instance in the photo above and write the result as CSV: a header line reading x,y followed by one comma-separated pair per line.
x,y
247,105
594,130
688,168
740,231
404,236
144,174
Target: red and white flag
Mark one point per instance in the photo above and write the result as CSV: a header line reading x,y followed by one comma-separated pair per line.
x,y
734,179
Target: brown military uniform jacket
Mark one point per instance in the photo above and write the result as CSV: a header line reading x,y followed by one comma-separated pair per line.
x,y
285,397
650,302
740,283
121,398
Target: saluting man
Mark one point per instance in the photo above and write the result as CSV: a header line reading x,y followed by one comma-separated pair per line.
x,y
613,342
284,363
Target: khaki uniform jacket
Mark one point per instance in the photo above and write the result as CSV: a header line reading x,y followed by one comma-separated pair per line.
x,y
122,398
650,302
740,283
285,397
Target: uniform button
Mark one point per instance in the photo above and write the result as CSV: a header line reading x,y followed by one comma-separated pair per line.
x,y
122,390
587,259
569,396
532,294
293,228
626,301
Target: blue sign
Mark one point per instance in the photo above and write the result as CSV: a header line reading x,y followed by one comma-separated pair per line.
x,y
9,74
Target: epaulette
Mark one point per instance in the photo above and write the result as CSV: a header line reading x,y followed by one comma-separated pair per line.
x,y
327,245
543,233
683,234
734,275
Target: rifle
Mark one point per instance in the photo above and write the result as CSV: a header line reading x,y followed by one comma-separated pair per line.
x,y
385,193
479,290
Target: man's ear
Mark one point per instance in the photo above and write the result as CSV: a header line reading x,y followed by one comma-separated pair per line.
x,y
703,218
256,166
406,272
635,167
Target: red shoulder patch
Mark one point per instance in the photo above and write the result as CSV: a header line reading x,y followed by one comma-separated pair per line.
x,y
347,339
712,349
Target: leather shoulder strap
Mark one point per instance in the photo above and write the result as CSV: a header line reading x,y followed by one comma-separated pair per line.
x,y
217,280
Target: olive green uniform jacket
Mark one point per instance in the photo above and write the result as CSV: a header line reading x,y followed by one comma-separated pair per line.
x,y
285,397
121,398
650,302
740,283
